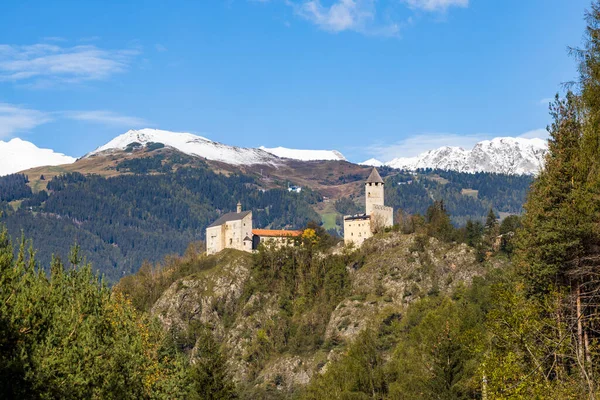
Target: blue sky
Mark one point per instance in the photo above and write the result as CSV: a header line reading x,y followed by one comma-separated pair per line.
x,y
371,78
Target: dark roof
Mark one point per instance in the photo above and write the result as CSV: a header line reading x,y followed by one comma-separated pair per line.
x,y
356,217
247,238
374,177
232,216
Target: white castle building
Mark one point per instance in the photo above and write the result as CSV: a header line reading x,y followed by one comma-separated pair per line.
x,y
232,230
358,228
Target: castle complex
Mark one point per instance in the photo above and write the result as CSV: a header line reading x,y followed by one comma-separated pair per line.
x,y
234,230
358,228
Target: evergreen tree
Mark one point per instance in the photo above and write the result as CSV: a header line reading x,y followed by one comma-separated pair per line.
x,y
209,375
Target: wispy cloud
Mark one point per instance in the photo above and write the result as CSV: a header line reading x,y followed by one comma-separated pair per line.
x,y
368,17
160,48
546,100
418,144
435,5
345,15
15,119
107,118
46,64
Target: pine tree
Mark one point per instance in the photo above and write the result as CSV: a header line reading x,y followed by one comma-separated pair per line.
x,y
209,374
552,232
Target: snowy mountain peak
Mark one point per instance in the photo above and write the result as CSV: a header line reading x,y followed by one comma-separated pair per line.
x,y
18,155
305,155
190,144
372,162
504,155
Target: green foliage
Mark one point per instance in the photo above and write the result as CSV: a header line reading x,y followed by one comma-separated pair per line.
x,y
308,287
347,206
438,222
14,187
65,335
415,193
436,350
209,376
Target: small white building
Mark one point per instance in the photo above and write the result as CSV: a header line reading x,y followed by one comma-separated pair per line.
x,y
358,228
232,231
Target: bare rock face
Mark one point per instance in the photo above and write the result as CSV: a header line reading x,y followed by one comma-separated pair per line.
x,y
205,296
399,270
287,372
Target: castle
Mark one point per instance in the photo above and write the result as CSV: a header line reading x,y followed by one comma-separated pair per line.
x,y
234,230
358,228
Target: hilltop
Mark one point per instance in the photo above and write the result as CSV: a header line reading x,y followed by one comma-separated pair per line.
x,y
286,316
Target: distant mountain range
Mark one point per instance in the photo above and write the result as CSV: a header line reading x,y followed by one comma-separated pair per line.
x,y
515,156
506,155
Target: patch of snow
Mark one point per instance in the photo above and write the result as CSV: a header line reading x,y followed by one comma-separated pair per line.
x,y
372,162
305,155
190,144
504,155
18,155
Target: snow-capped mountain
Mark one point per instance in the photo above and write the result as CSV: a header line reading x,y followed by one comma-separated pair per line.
x,y
505,155
372,162
190,144
18,155
202,147
305,155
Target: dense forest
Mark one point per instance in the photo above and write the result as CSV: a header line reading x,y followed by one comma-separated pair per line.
x,y
467,196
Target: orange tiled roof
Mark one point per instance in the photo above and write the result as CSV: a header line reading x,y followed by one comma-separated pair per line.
x,y
275,232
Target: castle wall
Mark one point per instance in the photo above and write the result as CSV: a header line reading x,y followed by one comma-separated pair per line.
x,y
357,230
382,217
236,231
214,239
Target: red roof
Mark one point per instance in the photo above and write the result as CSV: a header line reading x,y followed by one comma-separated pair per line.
x,y
276,232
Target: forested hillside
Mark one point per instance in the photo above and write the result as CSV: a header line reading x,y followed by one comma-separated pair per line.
x,y
466,196
121,221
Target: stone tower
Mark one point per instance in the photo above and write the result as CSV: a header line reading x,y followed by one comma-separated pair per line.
x,y
374,192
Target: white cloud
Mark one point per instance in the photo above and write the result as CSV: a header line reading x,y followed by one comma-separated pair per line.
x,y
45,64
107,118
546,100
15,119
345,15
160,48
435,5
418,144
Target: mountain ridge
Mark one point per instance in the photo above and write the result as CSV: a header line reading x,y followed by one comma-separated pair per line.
x,y
504,155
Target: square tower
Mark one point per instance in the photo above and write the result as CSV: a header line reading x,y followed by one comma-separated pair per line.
x,y
374,192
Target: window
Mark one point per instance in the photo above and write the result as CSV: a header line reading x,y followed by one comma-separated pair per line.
x,y
230,241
